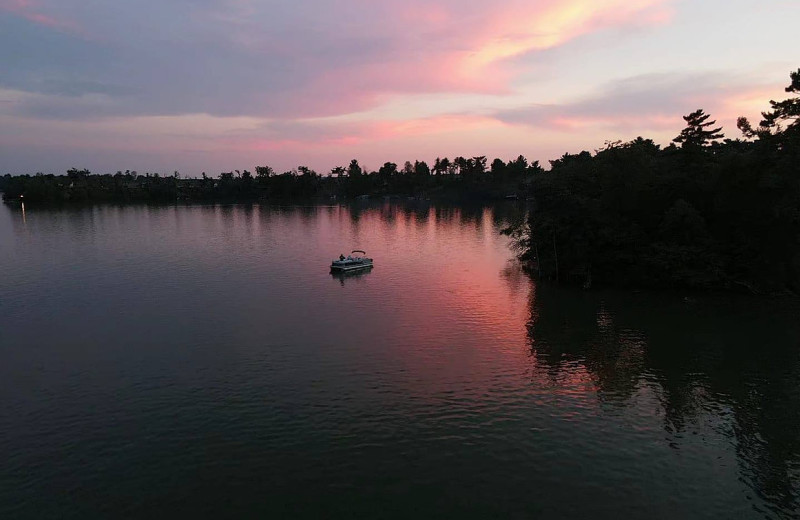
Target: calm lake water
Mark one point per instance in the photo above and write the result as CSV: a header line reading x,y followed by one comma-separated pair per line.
x,y
201,361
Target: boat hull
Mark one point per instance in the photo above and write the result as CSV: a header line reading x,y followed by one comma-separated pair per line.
x,y
351,267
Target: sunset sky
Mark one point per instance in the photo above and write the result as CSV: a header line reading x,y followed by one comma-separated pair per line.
x,y
214,85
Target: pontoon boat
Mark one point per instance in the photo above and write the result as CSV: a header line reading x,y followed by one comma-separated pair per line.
x,y
355,260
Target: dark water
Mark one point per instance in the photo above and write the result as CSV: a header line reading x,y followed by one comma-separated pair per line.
x,y
201,361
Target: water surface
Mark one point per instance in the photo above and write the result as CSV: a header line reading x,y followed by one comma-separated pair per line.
x,y
163,361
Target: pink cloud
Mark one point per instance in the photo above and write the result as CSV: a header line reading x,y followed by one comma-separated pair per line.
x,y
750,101
639,106
622,122
463,48
651,103
351,134
29,10
525,27
318,59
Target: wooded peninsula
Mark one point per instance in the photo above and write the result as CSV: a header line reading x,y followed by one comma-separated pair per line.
x,y
704,212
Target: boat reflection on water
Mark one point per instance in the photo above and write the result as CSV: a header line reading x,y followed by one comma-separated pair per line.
x,y
351,276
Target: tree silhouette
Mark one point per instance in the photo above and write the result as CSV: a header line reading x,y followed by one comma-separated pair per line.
x,y
421,168
354,170
264,172
388,169
697,133
786,111
441,166
479,164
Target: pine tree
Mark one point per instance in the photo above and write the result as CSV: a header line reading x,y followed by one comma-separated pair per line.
x,y
783,112
697,133
787,110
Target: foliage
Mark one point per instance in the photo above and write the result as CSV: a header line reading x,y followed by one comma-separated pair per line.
x,y
459,179
697,133
706,214
724,215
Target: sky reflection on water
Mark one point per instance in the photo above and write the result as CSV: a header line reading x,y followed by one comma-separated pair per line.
x,y
203,360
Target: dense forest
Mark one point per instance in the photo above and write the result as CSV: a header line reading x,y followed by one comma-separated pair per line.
x,y
704,212
459,179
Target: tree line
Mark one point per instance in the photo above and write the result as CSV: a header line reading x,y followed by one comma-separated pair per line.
x,y
703,212
459,179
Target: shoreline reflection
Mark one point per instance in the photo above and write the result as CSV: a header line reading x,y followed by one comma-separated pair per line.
x,y
707,360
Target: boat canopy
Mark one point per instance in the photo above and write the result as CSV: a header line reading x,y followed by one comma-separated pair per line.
x,y
358,251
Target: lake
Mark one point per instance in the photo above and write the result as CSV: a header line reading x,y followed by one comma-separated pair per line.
x,y
202,361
